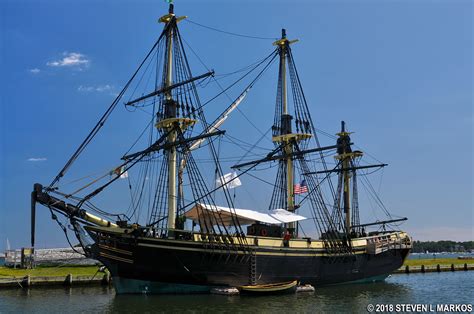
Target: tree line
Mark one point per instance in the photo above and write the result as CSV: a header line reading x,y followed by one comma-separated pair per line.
x,y
442,246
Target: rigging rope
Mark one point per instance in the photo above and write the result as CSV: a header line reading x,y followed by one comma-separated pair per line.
x,y
230,33
224,91
103,119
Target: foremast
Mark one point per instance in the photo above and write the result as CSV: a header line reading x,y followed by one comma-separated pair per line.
x,y
176,106
171,122
286,137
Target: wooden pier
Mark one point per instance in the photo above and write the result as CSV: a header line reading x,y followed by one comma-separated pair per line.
x,y
68,280
434,268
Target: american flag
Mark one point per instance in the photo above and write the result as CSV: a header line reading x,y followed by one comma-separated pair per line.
x,y
300,188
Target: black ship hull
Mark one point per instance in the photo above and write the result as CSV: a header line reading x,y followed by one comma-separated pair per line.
x,y
149,265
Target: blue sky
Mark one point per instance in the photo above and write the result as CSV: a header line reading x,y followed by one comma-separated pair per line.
x,y
399,72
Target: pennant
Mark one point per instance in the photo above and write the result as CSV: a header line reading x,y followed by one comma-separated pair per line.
x,y
119,172
229,181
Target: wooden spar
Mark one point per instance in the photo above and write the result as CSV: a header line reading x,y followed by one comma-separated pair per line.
x,y
288,148
158,145
172,197
381,222
70,210
348,169
168,88
345,156
293,154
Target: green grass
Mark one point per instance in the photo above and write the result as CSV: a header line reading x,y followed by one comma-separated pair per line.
x,y
436,261
49,271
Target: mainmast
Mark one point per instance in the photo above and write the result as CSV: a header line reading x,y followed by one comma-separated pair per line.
x,y
285,136
345,155
291,133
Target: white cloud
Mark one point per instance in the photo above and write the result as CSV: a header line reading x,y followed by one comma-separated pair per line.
x,y
99,88
86,89
70,59
34,70
37,159
103,88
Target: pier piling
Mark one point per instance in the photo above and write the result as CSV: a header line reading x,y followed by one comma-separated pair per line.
x,y
68,280
106,279
26,282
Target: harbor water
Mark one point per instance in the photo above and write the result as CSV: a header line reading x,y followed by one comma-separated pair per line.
x,y
433,288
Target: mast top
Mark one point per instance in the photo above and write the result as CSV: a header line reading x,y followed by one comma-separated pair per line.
x,y
344,145
168,17
283,41
343,130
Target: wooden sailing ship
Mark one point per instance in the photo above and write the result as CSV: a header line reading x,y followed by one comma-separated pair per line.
x,y
162,256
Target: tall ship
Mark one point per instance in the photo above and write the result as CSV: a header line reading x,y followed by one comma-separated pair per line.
x,y
184,235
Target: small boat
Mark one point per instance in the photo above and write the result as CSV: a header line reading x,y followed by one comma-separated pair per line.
x,y
273,288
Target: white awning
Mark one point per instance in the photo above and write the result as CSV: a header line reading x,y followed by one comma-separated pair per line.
x,y
212,215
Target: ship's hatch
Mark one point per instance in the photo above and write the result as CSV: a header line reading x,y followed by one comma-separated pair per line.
x,y
201,212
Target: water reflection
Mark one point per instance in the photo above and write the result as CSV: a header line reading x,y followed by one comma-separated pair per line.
x,y
430,288
325,299
358,296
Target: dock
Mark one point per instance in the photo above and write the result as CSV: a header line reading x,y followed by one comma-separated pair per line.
x,y
68,280
433,268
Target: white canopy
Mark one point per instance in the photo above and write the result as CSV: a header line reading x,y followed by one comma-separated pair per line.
x,y
209,213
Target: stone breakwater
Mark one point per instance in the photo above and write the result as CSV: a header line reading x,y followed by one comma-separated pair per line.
x,y
51,257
